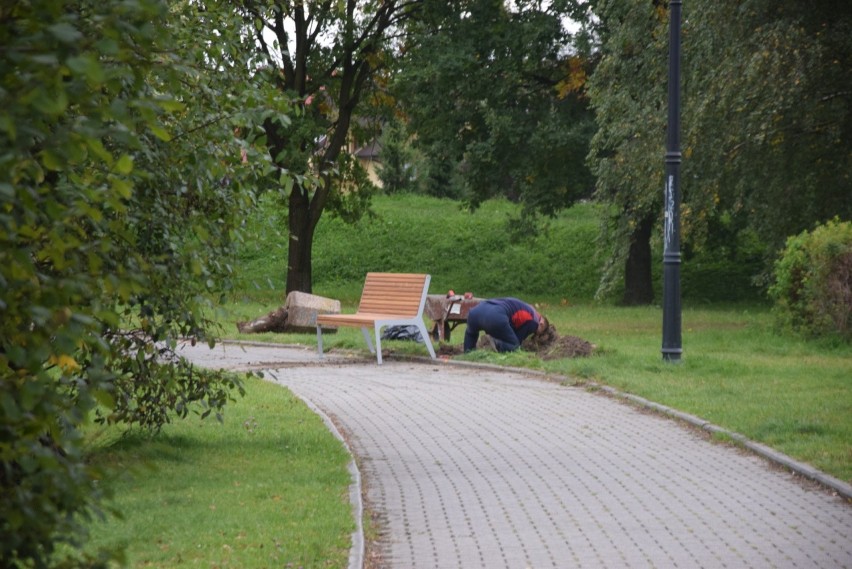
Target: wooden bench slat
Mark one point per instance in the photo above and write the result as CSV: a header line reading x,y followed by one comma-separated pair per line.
x,y
401,292
360,317
389,308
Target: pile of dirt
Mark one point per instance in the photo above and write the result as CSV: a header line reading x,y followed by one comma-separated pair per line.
x,y
548,345
445,349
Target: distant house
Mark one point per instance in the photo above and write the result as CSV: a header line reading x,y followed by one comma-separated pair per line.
x,y
369,156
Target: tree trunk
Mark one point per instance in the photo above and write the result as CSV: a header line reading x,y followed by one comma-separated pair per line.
x,y
299,314
304,212
301,236
275,321
638,284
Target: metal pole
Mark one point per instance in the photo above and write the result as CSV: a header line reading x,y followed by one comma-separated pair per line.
x,y
671,253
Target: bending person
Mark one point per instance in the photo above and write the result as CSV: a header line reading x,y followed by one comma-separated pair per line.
x,y
507,320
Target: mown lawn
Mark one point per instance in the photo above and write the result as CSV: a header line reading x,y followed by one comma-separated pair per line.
x,y
267,487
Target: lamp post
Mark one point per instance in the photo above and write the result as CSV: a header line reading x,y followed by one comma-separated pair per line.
x,y
672,349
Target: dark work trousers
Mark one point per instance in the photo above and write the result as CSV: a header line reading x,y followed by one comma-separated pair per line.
x,y
494,321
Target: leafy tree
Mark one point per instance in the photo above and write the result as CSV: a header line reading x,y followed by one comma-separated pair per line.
x,y
441,175
397,170
121,187
628,93
493,88
766,125
325,56
769,123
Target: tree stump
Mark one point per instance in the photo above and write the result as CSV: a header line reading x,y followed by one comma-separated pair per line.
x,y
299,314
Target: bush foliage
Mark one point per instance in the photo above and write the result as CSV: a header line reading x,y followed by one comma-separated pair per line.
x,y
119,204
813,281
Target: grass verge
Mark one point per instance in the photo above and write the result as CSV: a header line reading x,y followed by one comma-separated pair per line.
x,y
268,487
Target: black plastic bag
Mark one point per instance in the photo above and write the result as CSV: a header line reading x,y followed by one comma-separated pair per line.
x,y
409,332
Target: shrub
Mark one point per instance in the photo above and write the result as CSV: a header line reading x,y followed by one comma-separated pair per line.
x,y
119,204
813,281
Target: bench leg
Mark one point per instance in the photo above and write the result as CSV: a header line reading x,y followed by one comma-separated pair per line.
x,y
366,333
426,339
378,345
319,340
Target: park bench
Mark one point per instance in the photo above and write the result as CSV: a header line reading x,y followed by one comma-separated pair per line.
x,y
388,299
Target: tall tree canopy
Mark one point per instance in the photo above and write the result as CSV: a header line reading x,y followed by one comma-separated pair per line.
x,y
495,89
121,186
324,56
628,93
766,124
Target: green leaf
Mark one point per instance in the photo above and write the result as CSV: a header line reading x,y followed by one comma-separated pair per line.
x,y
45,59
201,232
97,148
7,125
171,105
286,182
65,32
104,398
160,133
51,161
123,188
88,66
124,165
51,103
107,46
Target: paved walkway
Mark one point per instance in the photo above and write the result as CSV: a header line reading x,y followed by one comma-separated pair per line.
x,y
475,468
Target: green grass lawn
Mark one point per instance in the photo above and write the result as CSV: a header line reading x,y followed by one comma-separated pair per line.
x,y
790,394
268,487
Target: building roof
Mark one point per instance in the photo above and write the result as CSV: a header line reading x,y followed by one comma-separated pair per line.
x,y
370,151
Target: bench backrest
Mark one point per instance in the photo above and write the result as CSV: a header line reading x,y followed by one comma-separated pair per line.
x,y
402,294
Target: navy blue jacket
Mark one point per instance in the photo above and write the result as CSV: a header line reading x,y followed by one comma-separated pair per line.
x,y
507,320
